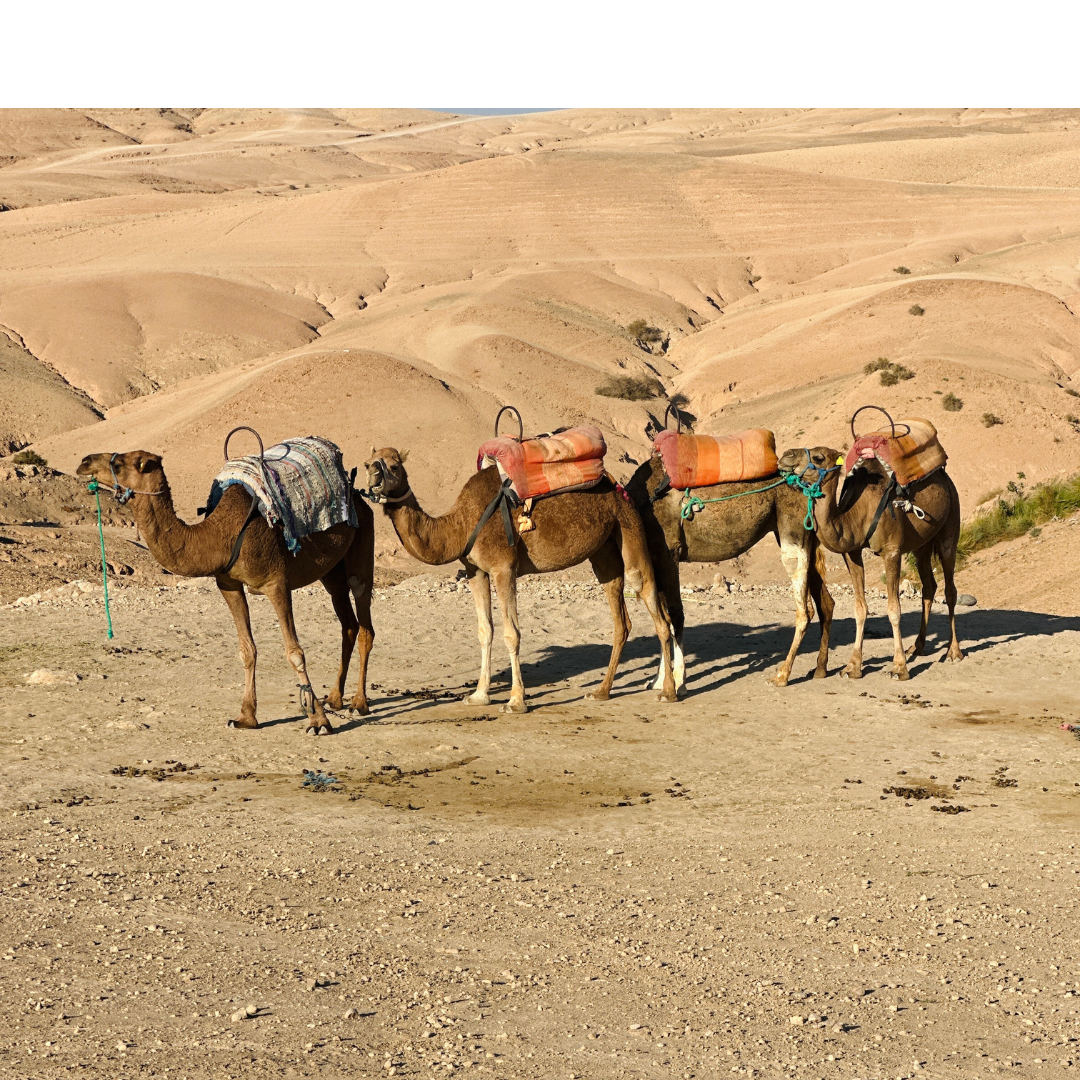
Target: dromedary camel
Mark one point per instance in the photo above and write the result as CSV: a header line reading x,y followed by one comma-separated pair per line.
x,y
726,529
342,558
846,528
598,524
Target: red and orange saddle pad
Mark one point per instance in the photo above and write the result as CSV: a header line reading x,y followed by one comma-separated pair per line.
x,y
548,464
909,456
692,461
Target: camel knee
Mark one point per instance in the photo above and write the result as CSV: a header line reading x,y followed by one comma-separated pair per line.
x,y
248,654
635,581
296,660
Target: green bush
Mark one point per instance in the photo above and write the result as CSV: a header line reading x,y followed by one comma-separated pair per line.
x,y
631,387
644,334
990,420
877,365
901,270
891,373
29,457
951,403
1029,510
915,309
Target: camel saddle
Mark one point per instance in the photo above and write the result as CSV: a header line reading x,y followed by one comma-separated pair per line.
x,y
692,461
568,460
908,457
299,485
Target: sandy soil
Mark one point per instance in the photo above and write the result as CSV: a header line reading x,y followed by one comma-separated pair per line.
x,y
733,885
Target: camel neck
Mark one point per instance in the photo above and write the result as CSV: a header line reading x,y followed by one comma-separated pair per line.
x,y
841,533
179,547
432,540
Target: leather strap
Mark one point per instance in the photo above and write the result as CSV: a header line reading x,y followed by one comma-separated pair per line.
x,y
253,513
504,499
890,489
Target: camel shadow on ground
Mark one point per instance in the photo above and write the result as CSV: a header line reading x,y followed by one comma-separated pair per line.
x,y
718,654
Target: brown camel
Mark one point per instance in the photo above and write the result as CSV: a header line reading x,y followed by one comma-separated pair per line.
x,y
724,530
342,558
844,528
598,524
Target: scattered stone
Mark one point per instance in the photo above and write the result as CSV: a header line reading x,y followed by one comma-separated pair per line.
x,y
350,1014
46,677
252,1010
966,600
239,1015
796,1021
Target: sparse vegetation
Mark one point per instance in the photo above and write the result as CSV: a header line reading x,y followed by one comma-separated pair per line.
x,y
990,420
1026,512
915,309
891,373
1072,418
29,457
631,387
901,270
951,403
646,336
1070,391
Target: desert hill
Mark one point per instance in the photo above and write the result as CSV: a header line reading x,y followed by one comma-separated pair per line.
x,y
392,277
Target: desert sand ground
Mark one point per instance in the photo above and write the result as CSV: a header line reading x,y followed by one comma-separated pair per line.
x,y
750,882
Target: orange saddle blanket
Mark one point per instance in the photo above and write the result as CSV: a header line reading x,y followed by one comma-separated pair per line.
x,y
909,456
547,464
692,461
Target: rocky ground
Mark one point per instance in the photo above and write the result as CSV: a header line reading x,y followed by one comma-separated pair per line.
x,y
838,879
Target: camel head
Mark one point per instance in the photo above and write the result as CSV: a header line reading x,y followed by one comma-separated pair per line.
x,y
812,465
138,472
387,479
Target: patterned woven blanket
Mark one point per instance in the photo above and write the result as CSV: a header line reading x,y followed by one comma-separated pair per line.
x,y
703,460
909,457
548,463
299,485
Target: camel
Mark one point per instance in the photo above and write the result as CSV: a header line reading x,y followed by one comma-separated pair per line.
x,y
598,524
844,527
725,530
342,558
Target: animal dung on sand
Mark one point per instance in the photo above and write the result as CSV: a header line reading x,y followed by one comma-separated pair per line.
x,y
703,460
545,464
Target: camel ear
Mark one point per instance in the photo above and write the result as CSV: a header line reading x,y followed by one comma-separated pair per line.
x,y
145,463
403,456
374,453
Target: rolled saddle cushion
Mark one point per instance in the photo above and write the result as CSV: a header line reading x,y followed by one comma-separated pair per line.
x,y
548,464
692,461
909,457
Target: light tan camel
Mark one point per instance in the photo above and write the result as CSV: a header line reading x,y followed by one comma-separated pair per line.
x,y
846,528
342,558
724,530
599,525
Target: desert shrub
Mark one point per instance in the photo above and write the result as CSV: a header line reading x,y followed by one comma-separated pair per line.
x,y
631,387
951,403
1027,511
990,420
1070,391
644,334
29,457
1072,419
901,270
877,365
891,373
915,309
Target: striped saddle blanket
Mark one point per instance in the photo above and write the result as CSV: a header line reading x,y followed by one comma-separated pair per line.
x,y
909,457
547,464
692,461
299,485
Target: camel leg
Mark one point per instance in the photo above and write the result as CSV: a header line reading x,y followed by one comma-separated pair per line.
x,y
892,588
857,571
280,596
233,595
796,560
480,586
607,565
336,586
929,587
823,601
360,574
666,568
947,555
506,588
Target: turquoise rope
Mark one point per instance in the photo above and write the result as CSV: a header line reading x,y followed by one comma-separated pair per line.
x,y
694,504
92,487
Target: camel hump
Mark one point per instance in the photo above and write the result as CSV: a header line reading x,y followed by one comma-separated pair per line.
x,y
703,460
911,454
546,464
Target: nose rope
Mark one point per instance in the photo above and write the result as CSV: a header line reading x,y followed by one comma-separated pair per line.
x,y
121,493
811,491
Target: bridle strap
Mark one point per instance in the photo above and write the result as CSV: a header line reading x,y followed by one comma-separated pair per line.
x,y
372,497
124,494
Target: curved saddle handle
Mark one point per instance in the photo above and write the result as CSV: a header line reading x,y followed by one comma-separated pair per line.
x,y
244,427
878,408
678,417
521,427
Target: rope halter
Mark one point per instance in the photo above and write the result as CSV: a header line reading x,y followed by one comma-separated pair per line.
x,y
122,494
384,478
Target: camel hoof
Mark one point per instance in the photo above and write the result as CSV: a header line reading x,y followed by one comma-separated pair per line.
x,y
478,699
821,673
514,707
954,659
778,680
596,695
664,696
239,724
851,673
331,702
900,676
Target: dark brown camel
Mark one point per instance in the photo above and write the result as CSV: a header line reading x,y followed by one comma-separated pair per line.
x,y
725,530
844,528
342,558
599,525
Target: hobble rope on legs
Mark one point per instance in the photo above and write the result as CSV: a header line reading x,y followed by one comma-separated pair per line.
x,y
92,487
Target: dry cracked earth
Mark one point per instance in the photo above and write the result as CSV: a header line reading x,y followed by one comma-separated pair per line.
x,y
837,879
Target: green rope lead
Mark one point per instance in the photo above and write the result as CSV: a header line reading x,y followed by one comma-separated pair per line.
x,y
93,488
694,504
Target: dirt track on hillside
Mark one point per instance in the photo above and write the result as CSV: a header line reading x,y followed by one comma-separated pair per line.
x,y
725,886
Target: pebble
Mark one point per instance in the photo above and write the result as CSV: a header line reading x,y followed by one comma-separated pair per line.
x,y
966,600
349,1014
251,1010
796,1021
240,1014
635,1027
